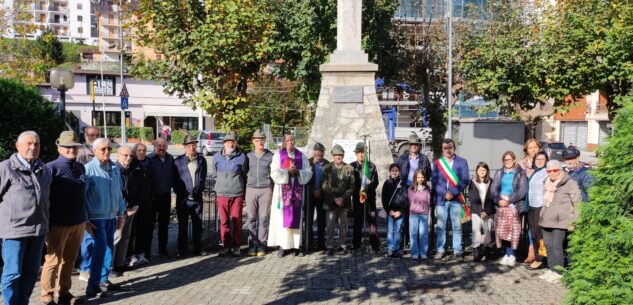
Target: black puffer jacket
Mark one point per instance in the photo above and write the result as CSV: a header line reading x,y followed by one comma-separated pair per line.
x,y
394,195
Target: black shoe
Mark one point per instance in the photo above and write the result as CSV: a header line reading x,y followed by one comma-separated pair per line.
x,y
299,253
459,257
478,254
92,292
180,255
330,252
108,286
115,273
236,253
224,253
164,254
281,253
67,299
49,303
201,253
342,251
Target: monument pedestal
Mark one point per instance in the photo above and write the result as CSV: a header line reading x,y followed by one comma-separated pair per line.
x,y
348,108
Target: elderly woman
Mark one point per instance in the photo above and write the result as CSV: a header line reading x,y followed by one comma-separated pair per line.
x,y
560,201
508,190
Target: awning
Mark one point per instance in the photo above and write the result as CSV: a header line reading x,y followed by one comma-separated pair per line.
x,y
172,111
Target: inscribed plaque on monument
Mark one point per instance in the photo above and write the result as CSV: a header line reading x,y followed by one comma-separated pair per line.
x,y
347,94
348,146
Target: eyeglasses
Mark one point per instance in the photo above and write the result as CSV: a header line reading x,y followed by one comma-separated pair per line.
x,y
105,148
92,134
549,171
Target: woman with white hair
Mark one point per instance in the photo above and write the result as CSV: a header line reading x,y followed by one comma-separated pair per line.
x,y
560,203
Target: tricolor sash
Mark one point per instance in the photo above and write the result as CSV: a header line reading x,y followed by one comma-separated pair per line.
x,y
449,175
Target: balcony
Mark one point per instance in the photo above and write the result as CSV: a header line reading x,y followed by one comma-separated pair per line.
x,y
57,8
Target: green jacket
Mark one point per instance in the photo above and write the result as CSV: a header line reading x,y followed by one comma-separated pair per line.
x,y
333,187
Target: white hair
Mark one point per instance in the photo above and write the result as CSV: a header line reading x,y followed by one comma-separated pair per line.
x,y
139,144
125,147
28,133
554,163
100,141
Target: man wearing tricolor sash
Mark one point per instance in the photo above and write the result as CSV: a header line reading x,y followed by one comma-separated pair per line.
x,y
290,171
449,179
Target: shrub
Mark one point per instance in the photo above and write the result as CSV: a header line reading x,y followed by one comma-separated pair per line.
x,y
23,108
601,270
178,135
141,133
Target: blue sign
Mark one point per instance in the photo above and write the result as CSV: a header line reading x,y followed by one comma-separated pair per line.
x,y
124,104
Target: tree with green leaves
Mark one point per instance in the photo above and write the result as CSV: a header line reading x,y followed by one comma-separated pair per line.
x,y
588,48
50,47
22,109
212,50
601,247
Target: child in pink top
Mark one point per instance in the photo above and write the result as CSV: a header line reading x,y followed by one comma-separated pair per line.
x,y
419,206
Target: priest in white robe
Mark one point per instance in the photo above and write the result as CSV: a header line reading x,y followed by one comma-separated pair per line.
x,y
290,171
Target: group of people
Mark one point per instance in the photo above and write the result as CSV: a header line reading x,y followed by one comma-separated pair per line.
x,y
85,203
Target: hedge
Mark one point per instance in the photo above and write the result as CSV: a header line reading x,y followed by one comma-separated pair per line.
x,y
601,248
141,133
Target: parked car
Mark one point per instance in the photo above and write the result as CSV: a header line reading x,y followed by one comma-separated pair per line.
x,y
554,150
210,142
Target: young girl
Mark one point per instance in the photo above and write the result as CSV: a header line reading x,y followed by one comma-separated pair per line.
x,y
419,202
394,198
482,208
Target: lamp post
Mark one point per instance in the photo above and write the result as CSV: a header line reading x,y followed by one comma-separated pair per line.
x,y
62,80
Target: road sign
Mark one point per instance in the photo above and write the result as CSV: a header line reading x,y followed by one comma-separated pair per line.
x,y
124,104
124,92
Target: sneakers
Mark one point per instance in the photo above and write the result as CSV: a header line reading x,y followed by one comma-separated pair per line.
x,y
504,260
141,258
134,261
84,275
261,251
508,260
423,257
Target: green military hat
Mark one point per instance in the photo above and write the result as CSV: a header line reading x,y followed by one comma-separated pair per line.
x,y
230,137
360,147
68,138
258,134
338,150
318,146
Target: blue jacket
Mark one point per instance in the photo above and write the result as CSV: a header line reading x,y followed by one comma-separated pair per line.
x,y
423,163
68,199
183,186
229,173
104,199
439,183
584,180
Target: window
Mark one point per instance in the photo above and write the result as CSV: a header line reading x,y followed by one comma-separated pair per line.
x,y
108,87
185,123
113,118
80,30
88,57
80,6
80,18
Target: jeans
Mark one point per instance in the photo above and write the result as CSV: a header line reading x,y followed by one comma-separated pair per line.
x,y
454,208
87,246
419,234
101,260
22,257
507,248
554,240
183,211
394,233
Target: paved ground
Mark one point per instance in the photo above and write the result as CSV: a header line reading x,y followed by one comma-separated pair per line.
x,y
319,279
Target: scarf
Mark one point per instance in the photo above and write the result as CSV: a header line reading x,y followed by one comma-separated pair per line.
x,y
550,189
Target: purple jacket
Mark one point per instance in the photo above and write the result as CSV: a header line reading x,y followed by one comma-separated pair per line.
x,y
419,202
439,183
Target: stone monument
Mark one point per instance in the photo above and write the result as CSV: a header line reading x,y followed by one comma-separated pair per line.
x,y
348,106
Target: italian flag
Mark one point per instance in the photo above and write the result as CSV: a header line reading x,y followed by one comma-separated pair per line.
x,y
449,174
366,179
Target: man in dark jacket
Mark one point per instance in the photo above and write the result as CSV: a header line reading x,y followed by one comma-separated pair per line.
x,y
131,178
413,160
143,221
338,188
67,221
191,174
317,163
259,193
162,171
228,169
577,171
364,202
24,214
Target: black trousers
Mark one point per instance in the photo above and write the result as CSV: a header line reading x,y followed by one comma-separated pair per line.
x,y
142,230
535,229
316,205
161,209
184,211
368,209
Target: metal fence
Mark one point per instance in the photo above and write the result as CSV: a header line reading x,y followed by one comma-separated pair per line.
x,y
275,135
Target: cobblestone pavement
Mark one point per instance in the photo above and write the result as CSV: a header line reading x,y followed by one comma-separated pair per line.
x,y
318,279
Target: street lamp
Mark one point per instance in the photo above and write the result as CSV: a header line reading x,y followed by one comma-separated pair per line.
x,y
62,80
